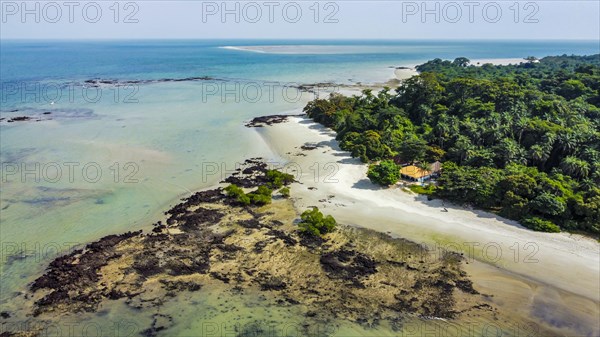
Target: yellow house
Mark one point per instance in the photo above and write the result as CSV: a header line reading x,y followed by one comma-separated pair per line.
x,y
415,173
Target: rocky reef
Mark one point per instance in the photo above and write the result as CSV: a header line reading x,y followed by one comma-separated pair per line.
x,y
353,274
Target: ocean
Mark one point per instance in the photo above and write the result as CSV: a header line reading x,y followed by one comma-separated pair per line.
x,y
120,130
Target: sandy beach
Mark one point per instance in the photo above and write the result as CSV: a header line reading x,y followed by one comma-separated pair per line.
x,y
404,72
565,265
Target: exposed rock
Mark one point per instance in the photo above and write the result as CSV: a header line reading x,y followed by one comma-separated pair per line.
x,y
262,121
354,274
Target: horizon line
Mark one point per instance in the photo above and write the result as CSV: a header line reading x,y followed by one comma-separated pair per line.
x,y
295,39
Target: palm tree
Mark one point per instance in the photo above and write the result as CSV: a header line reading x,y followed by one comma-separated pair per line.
x,y
463,148
424,166
520,126
441,130
493,135
575,167
539,154
387,114
567,142
508,151
548,139
587,185
473,131
591,155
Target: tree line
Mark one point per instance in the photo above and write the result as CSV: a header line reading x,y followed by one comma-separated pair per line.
x,y
520,140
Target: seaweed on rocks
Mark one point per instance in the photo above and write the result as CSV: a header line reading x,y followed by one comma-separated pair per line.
x,y
253,174
19,119
348,265
286,238
262,121
160,322
311,241
193,220
250,223
179,211
97,82
354,274
78,270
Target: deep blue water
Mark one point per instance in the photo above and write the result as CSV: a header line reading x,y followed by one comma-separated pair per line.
x,y
73,60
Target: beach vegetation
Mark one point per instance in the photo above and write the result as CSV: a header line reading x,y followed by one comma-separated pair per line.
x,y
235,192
425,190
313,222
285,192
277,178
522,140
385,173
540,225
261,196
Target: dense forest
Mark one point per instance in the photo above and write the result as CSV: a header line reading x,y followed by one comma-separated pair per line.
x,y
520,140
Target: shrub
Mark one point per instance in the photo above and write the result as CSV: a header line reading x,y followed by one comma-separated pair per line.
x,y
233,191
278,179
426,190
263,190
549,204
285,192
540,225
259,199
315,223
386,173
261,196
243,199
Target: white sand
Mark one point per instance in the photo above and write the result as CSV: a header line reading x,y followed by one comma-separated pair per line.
x,y
403,74
565,261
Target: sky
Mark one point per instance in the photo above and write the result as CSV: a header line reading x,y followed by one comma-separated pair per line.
x,y
347,19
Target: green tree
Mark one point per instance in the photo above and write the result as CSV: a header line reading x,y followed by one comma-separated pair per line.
x,y
233,191
548,204
538,154
278,179
540,225
462,149
413,149
575,167
418,95
315,223
261,196
385,173
571,89
508,151
461,62
285,192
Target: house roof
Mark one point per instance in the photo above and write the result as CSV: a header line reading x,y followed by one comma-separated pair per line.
x,y
414,172
436,167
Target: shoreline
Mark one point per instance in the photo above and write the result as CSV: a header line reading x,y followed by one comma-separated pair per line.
x,y
338,183
211,243
395,78
347,194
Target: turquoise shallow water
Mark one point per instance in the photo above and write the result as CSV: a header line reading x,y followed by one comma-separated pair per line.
x,y
97,165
